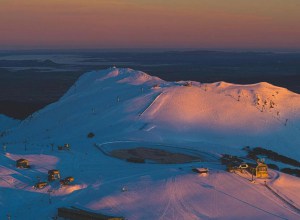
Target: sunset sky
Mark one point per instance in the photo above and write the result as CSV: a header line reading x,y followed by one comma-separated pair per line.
x,y
233,24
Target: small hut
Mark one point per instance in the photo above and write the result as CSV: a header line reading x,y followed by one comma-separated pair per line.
x,y
261,170
40,185
53,175
66,181
23,163
200,170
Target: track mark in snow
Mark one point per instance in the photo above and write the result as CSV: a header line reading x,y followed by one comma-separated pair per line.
x,y
176,207
185,205
242,201
285,201
277,198
156,98
147,127
167,205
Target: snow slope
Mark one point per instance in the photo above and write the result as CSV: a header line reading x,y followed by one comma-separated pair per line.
x,y
7,122
219,114
128,105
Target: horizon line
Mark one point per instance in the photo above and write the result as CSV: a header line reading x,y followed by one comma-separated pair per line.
x,y
171,49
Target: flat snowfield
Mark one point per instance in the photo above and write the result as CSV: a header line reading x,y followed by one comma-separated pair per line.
x,y
121,107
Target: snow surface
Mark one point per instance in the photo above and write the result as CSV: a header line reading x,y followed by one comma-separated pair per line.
x,y
123,105
7,122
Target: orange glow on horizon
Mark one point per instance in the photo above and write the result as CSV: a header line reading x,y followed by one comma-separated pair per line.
x,y
150,24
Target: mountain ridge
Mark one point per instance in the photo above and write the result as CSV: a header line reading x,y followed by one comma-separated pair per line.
x,y
118,101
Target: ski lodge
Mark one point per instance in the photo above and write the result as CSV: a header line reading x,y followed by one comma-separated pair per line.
x,y
261,170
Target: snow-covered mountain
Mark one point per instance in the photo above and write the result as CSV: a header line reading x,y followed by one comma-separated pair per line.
x,y
7,122
123,106
132,104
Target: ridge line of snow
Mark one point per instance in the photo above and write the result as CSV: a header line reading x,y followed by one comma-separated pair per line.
x,y
156,98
